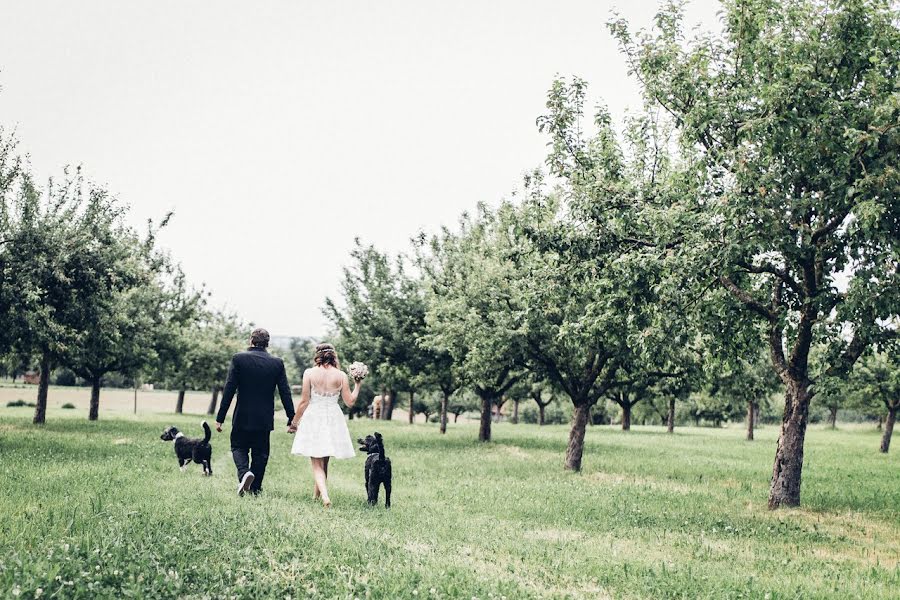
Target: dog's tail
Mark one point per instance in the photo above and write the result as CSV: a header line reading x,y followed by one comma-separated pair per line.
x,y
208,432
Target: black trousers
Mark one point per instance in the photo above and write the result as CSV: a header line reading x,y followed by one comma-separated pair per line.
x,y
247,445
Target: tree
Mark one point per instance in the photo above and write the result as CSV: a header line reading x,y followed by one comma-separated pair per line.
x,y
543,395
790,118
745,381
199,357
63,252
125,326
461,402
470,287
14,183
597,315
301,356
177,344
427,405
875,385
380,319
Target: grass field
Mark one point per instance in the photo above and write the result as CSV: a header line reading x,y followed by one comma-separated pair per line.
x,y
100,510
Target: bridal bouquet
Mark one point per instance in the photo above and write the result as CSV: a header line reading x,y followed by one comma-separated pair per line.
x,y
358,371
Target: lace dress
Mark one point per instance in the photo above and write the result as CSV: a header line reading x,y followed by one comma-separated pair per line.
x,y
322,430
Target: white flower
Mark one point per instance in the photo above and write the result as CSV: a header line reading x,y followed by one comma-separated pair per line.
x,y
38,592
358,371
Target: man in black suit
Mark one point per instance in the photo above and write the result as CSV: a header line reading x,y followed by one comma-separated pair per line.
x,y
254,375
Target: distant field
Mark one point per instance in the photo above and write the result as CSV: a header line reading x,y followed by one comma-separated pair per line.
x,y
100,510
111,400
115,402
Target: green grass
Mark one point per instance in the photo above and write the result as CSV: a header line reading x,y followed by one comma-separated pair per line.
x,y
100,510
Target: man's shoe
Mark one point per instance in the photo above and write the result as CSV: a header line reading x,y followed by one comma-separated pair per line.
x,y
246,482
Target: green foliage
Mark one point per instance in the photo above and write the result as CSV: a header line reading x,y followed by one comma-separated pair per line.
x,y
790,120
300,357
470,287
18,403
874,384
788,124
82,290
199,358
65,377
379,318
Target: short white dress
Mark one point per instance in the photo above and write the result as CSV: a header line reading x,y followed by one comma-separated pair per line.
x,y
322,430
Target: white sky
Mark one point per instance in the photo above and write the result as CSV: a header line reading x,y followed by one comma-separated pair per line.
x,y
278,131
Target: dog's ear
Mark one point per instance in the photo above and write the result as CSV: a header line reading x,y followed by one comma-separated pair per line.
x,y
377,436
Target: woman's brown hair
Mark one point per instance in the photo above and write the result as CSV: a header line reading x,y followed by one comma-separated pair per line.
x,y
326,355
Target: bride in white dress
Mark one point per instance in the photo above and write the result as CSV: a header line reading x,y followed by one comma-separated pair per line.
x,y
319,422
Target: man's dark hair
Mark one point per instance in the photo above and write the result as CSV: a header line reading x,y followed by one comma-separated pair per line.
x,y
259,338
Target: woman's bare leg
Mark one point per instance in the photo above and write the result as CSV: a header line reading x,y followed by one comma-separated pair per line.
x,y
316,492
319,477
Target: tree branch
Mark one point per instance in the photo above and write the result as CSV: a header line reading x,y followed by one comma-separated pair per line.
x,y
858,344
771,269
829,226
748,300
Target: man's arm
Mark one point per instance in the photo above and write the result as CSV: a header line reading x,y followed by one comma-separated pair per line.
x,y
284,391
227,394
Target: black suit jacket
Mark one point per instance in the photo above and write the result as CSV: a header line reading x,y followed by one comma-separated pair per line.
x,y
254,375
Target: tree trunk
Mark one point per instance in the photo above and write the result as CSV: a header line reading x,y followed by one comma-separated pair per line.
x,y
670,421
832,416
214,401
541,416
788,468
750,414
484,429
575,449
626,417
412,414
515,417
445,400
40,408
455,417
94,411
179,404
888,429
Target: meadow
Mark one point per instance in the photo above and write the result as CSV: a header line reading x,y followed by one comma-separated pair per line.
x,y
100,510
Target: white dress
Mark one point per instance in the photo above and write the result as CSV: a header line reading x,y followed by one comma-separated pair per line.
x,y
322,430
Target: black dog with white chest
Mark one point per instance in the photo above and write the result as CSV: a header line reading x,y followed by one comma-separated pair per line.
x,y
378,468
190,449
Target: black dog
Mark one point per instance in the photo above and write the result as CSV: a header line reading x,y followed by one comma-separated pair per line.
x,y
188,449
378,468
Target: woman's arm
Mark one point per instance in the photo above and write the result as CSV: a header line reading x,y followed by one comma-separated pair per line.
x,y
348,396
304,400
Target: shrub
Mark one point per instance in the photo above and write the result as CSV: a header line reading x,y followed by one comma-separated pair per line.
x,y
64,377
19,402
68,405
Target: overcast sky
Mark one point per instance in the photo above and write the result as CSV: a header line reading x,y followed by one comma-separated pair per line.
x,y
280,131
